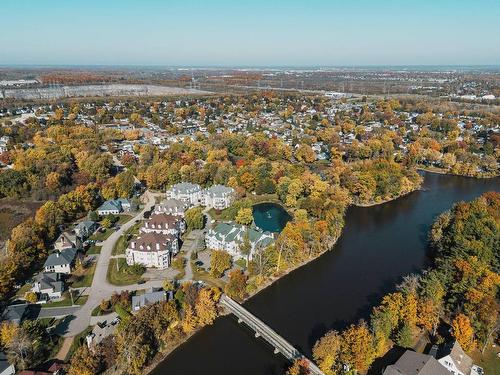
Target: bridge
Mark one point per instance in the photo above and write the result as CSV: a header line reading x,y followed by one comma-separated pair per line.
x,y
267,333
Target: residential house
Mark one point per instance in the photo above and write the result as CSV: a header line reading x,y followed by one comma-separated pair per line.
x,y
48,286
456,361
53,367
229,237
412,363
17,313
186,192
4,141
218,197
172,207
84,229
5,367
61,261
114,207
101,331
152,250
67,240
164,224
149,298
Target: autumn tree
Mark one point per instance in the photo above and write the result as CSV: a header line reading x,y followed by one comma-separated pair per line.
x,y
220,261
244,216
194,218
326,352
236,286
206,307
463,332
357,347
84,362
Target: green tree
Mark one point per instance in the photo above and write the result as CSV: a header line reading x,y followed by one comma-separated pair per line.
x,y
194,218
220,261
244,216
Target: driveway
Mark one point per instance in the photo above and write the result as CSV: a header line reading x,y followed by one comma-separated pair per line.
x,y
57,312
101,289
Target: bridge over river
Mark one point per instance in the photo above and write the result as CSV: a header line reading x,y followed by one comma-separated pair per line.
x,y
267,333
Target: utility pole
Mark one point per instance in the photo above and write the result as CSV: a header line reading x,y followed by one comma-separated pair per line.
x,y
71,295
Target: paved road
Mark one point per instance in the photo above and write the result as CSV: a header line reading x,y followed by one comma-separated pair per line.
x,y
101,289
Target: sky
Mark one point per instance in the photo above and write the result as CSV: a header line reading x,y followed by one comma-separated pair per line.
x,y
250,33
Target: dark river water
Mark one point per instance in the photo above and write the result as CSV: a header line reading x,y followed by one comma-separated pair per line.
x,y
270,217
378,246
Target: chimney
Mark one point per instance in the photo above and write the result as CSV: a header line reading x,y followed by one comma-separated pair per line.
x,y
157,246
133,244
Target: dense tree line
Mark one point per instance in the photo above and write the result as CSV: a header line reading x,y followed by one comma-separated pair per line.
x,y
460,290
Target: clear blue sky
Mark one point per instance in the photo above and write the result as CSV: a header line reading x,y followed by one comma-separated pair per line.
x,y
249,33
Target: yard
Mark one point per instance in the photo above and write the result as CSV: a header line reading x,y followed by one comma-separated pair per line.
x,y
83,276
120,273
102,236
66,301
122,243
94,250
202,275
489,361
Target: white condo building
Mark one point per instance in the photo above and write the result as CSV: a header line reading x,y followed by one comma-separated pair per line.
x,y
218,197
186,192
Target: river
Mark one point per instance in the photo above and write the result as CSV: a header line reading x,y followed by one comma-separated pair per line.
x,y
378,246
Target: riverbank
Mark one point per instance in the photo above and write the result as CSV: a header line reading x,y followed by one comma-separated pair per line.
x,y
450,173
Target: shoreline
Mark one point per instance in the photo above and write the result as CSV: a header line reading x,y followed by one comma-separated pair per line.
x,y
272,280
448,173
164,355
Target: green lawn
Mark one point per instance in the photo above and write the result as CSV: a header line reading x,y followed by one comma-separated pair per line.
x,y
123,218
94,250
101,236
122,243
66,302
124,275
488,361
85,279
202,275
22,291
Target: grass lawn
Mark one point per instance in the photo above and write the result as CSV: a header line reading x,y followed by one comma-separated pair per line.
x,y
101,236
22,290
488,361
202,275
124,275
81,279
94,250
122,243
124,218
66,302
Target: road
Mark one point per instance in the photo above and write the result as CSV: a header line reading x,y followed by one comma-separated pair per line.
x,y
101,289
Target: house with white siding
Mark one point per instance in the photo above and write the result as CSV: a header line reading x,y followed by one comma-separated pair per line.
x,y
152,250
229,237
186,192
218,197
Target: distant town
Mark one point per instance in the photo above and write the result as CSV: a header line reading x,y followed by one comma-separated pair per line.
x,y
139,206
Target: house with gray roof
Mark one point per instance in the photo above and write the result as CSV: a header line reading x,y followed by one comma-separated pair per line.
x,y
186,192
218,197
17,313
48,286
456,361
5,367
61,261
84,229
146,299
114,207
67,240
412,363
229,237
174,207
